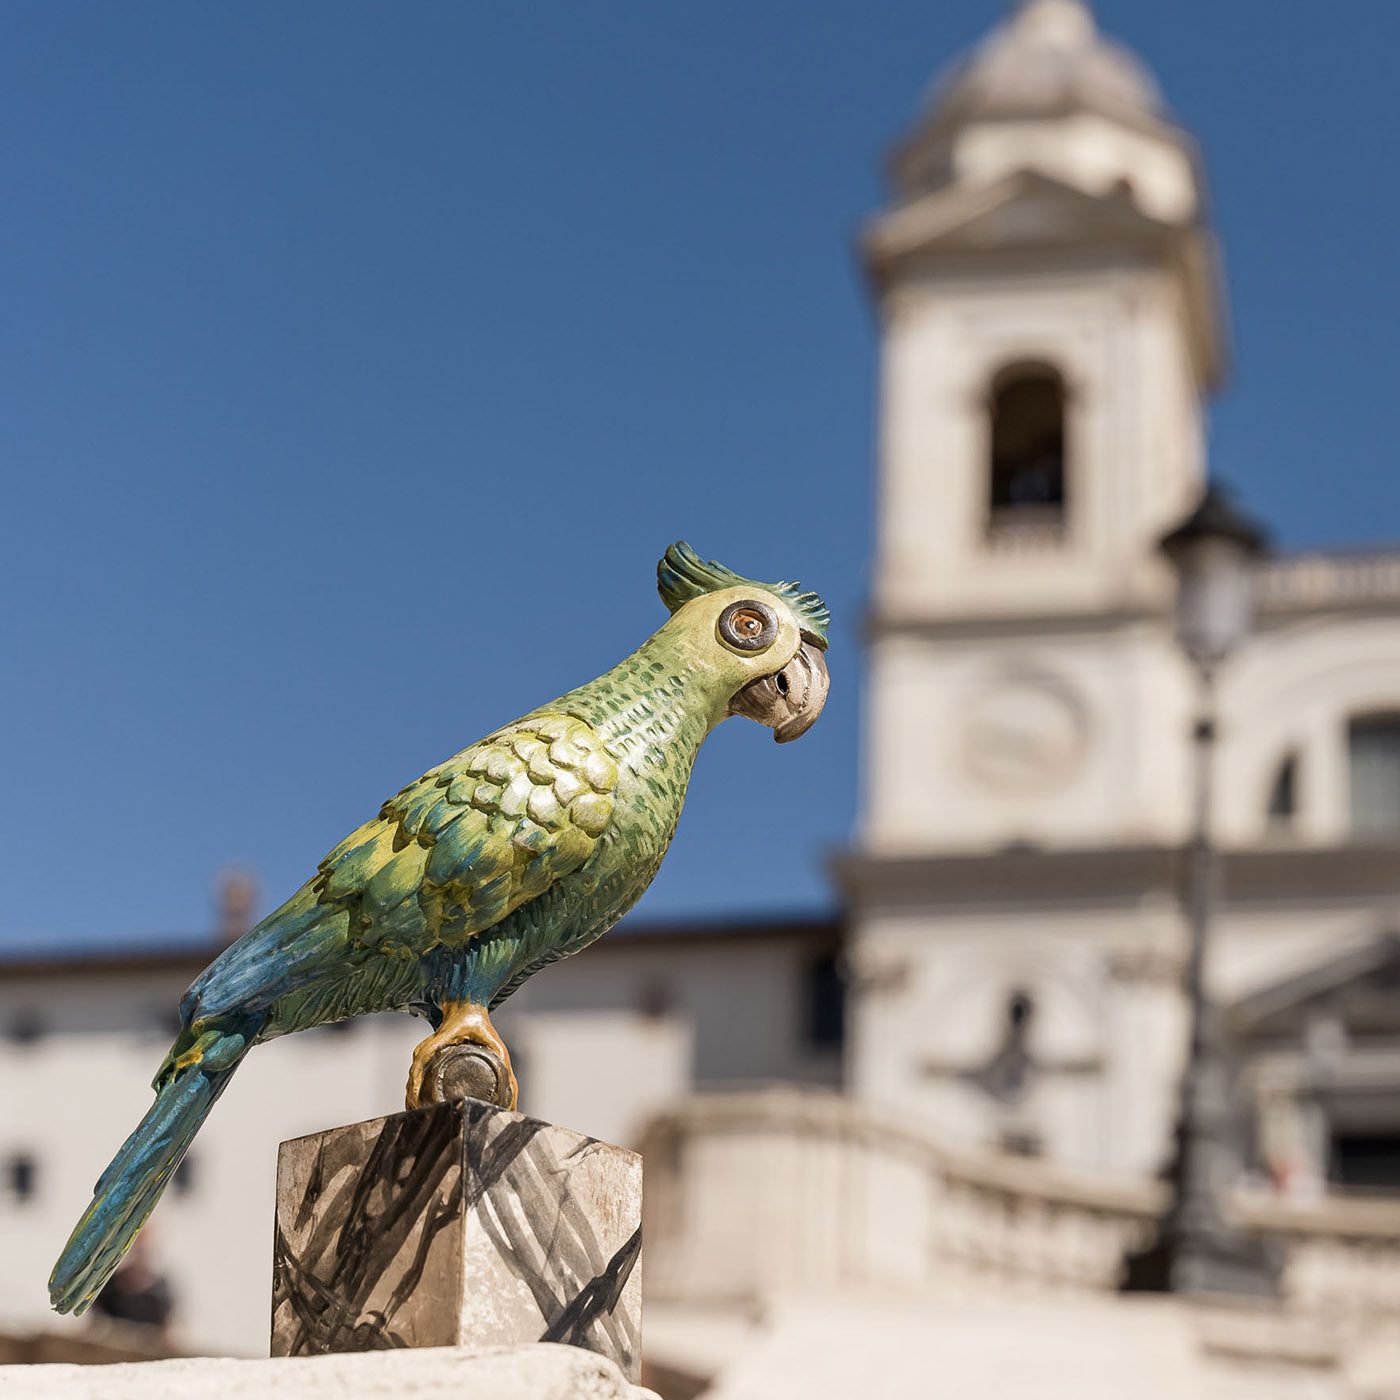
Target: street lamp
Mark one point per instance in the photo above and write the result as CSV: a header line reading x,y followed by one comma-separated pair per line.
x,y
1212,551
1196,1249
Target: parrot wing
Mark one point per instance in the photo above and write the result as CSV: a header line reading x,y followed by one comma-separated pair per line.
x,y
446,858
474,838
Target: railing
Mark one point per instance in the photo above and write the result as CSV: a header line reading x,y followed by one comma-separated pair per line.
x,y
780,1191
1323,580
1342,1256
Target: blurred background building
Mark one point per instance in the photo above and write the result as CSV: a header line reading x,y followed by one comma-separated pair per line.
x,y
962,1089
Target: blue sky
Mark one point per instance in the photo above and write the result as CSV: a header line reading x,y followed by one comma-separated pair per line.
x,y
357,361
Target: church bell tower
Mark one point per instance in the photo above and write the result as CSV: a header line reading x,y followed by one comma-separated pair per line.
x,y
1051,325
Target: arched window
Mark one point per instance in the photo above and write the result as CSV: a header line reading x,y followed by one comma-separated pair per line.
x,y
1373,764
1027,469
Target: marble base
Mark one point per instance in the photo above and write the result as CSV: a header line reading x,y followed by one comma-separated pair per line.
x,y
458,1224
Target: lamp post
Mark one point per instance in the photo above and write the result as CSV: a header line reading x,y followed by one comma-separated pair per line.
x,y
1196,1249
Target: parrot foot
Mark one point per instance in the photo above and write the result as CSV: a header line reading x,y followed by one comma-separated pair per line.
x,y
464,1057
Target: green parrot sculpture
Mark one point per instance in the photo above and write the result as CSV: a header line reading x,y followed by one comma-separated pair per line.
x,y
518,851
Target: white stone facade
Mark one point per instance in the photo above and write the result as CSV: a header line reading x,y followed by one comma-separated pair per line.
x,y
69,1097
601,1042
1027,717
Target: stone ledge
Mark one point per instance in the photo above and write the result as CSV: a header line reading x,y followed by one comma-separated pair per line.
x,y
541,1371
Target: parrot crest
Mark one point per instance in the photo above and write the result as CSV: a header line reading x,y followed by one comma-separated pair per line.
x,y
681,575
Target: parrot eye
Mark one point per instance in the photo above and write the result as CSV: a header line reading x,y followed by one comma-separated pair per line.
x,y
748,626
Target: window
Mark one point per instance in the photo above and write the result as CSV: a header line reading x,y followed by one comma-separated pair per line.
x,y
182,1183
1368,1161
1027,475
826,1002
1373,754
26,1028
21,1177
1283,795
656,998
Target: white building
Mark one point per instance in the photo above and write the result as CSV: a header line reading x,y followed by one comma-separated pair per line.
x,y
1052,328
1053,325
80,1037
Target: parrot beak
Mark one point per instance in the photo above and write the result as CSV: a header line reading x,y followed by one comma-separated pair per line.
x,y
790,700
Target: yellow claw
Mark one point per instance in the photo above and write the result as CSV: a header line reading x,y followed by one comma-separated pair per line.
x,y
463,1023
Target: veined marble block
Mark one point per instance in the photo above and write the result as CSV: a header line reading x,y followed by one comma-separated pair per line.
x,y
459,1224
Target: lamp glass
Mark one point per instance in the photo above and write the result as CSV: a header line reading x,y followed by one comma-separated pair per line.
x,y
1215,595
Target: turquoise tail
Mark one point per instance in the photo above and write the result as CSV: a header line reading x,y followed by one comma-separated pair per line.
x,y
195,1073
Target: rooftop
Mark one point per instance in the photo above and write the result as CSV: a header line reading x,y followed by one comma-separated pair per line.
x,y
1047,57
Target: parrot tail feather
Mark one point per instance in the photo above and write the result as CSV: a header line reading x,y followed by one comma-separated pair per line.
x,y
187,1087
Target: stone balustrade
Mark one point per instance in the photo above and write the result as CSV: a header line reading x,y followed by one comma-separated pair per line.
x,y
1309,581
755,1194
1342,1255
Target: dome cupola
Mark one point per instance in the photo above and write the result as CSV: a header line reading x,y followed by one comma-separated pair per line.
x,y
1046,91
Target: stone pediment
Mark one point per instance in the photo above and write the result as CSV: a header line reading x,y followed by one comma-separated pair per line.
x,y
1027,211
1360,989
